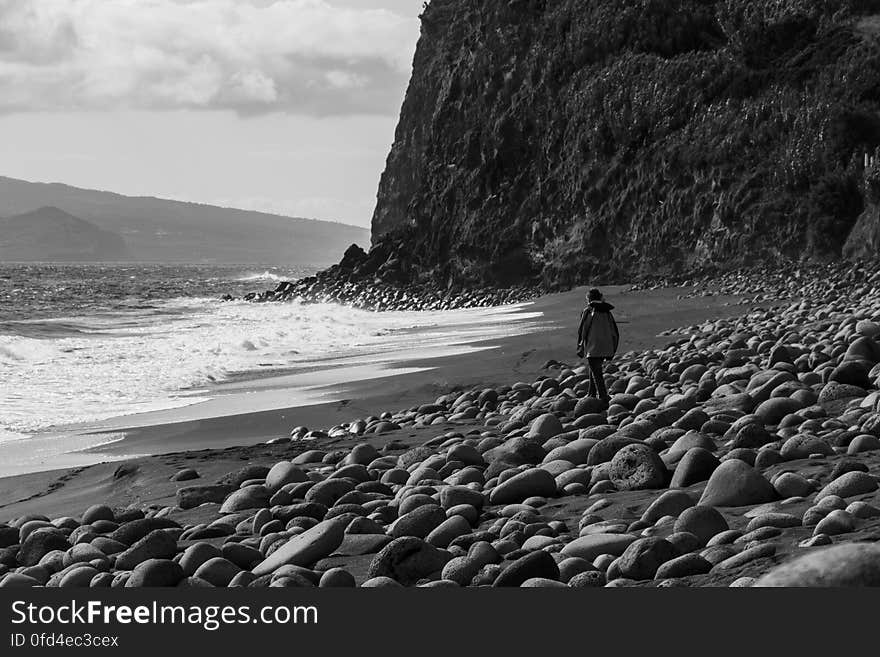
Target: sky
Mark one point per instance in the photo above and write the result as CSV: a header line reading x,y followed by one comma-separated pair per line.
x,y
285,106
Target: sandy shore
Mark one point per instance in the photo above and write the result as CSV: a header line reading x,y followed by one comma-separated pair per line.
x,y
356,389
230,430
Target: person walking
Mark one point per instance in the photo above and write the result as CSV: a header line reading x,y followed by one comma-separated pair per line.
x,y
598,340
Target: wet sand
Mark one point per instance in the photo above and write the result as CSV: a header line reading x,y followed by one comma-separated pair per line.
x,y
226,433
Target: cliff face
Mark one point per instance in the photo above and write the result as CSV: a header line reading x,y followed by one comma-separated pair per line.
x,y
564,140
864,238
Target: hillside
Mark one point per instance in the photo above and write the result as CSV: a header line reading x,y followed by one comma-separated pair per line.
x,y
160,230
50,234
572,140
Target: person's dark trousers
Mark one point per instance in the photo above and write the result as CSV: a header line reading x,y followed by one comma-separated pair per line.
x,y
597,379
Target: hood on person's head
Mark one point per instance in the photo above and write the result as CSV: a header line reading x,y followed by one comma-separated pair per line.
x,y
597,302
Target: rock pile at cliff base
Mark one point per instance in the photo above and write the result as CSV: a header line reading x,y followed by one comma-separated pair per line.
x,y
379,281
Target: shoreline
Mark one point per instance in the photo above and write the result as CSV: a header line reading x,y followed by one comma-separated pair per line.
x,y
314,382
242,436
740,442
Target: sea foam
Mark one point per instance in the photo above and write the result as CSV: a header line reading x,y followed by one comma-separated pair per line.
x,y
264,276
128,363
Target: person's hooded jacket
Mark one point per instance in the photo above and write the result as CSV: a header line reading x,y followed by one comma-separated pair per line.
x,y
598,336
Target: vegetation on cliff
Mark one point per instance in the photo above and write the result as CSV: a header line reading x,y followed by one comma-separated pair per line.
x,y
567,140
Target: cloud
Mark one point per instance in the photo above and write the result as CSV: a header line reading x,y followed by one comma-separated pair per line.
x,y
250,56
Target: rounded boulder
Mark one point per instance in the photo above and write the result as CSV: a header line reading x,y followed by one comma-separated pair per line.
x,y
637,467
533,482
736,483
845,565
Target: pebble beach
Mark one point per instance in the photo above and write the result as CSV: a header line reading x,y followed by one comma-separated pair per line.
x,y
741,447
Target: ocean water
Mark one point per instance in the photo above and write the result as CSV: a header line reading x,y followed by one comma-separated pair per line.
x,y
84,343
37,291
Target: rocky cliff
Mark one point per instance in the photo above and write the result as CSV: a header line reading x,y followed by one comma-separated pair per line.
x,y
562,141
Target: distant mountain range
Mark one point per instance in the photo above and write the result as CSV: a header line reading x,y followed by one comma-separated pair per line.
x,y
62,223
54,235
